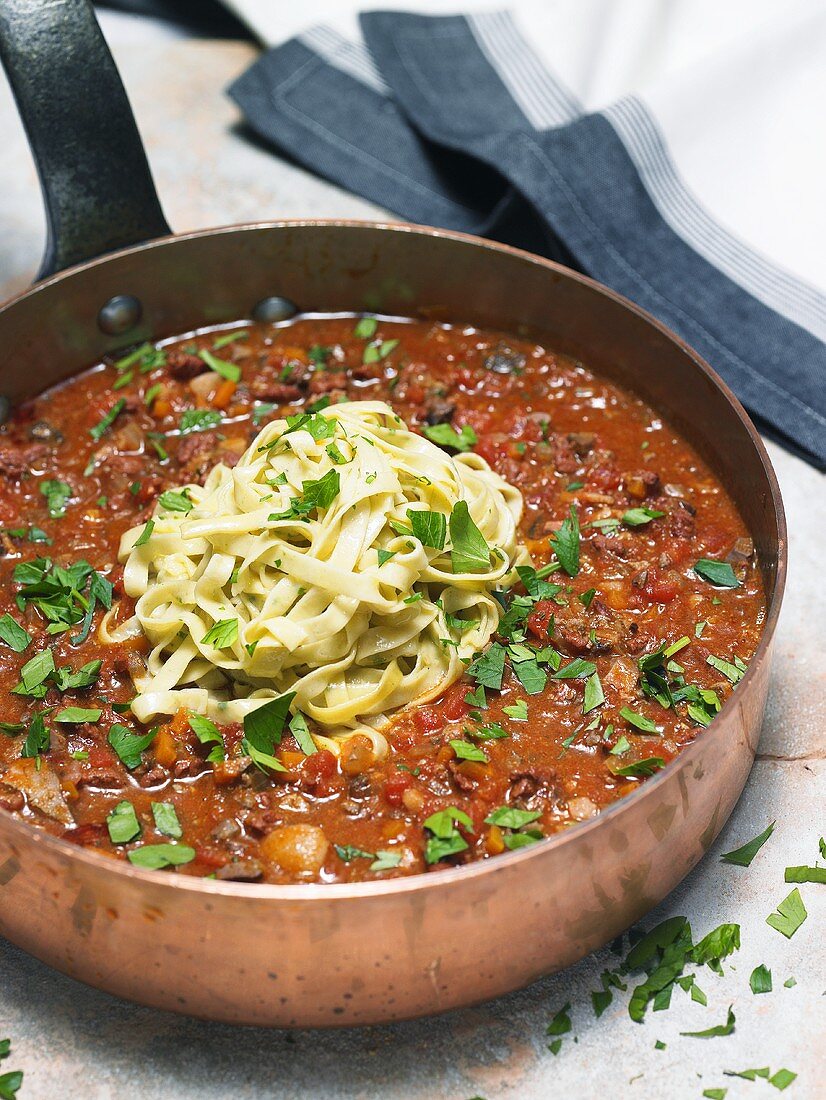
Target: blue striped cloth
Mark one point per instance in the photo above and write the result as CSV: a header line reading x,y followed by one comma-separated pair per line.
x,y
455,121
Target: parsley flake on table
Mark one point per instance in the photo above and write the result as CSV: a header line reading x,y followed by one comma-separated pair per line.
x,y
791,913
805,874
743,855
715,1032
761,979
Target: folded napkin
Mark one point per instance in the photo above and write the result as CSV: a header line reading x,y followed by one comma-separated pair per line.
x,y
686,173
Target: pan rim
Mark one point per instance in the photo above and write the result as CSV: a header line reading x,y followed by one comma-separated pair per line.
x,y
307,893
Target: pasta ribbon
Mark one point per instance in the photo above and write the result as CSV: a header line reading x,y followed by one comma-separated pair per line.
x,y
345,558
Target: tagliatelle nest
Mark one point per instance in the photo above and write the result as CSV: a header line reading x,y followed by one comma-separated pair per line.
x,y
345,558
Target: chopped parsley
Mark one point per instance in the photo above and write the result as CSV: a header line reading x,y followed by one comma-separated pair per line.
x,y
147,355
640,769
445,839
108,420
639,721
208,734
13,634
38,738
176,500
365,328
743,856
222,634
230,371
445,435
565,543
488,669
805,874
714,1032
155,857
349,852
466,751
761,979
718,573
129,745
263,728
469,552
145,534
430,528
78,715
57,494
122,823
166,820
230,338
198,420
301,732
594,695
386,860
637,517
733,672
518,711
314,494
791,913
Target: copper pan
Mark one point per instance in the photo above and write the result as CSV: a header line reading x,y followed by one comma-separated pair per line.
x,y
379,951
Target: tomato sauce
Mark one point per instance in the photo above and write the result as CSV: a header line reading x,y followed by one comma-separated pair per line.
x,y
631,649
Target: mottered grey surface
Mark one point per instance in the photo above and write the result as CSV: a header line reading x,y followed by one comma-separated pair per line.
x,y
71,1041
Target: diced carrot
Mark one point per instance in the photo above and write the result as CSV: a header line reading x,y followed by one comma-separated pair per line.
x,y
291,760
161,408
165,747
494,842
223,394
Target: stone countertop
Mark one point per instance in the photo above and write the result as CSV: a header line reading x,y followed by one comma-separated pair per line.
x,y
72,1041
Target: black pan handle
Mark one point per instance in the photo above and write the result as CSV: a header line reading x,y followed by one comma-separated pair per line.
x,y
95,178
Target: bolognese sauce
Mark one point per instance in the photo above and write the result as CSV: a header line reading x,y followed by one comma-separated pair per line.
x,y
615,648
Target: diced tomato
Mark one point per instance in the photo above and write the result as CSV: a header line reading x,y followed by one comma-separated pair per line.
x,y
320,767
395,786
661,587
428,719
208,857
452,704
101,756
539,620
715,540
604,477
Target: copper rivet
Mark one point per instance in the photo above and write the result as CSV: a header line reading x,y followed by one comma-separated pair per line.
x,y
273,309
119,314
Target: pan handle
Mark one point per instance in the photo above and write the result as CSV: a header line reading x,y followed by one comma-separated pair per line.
x,y
96,183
